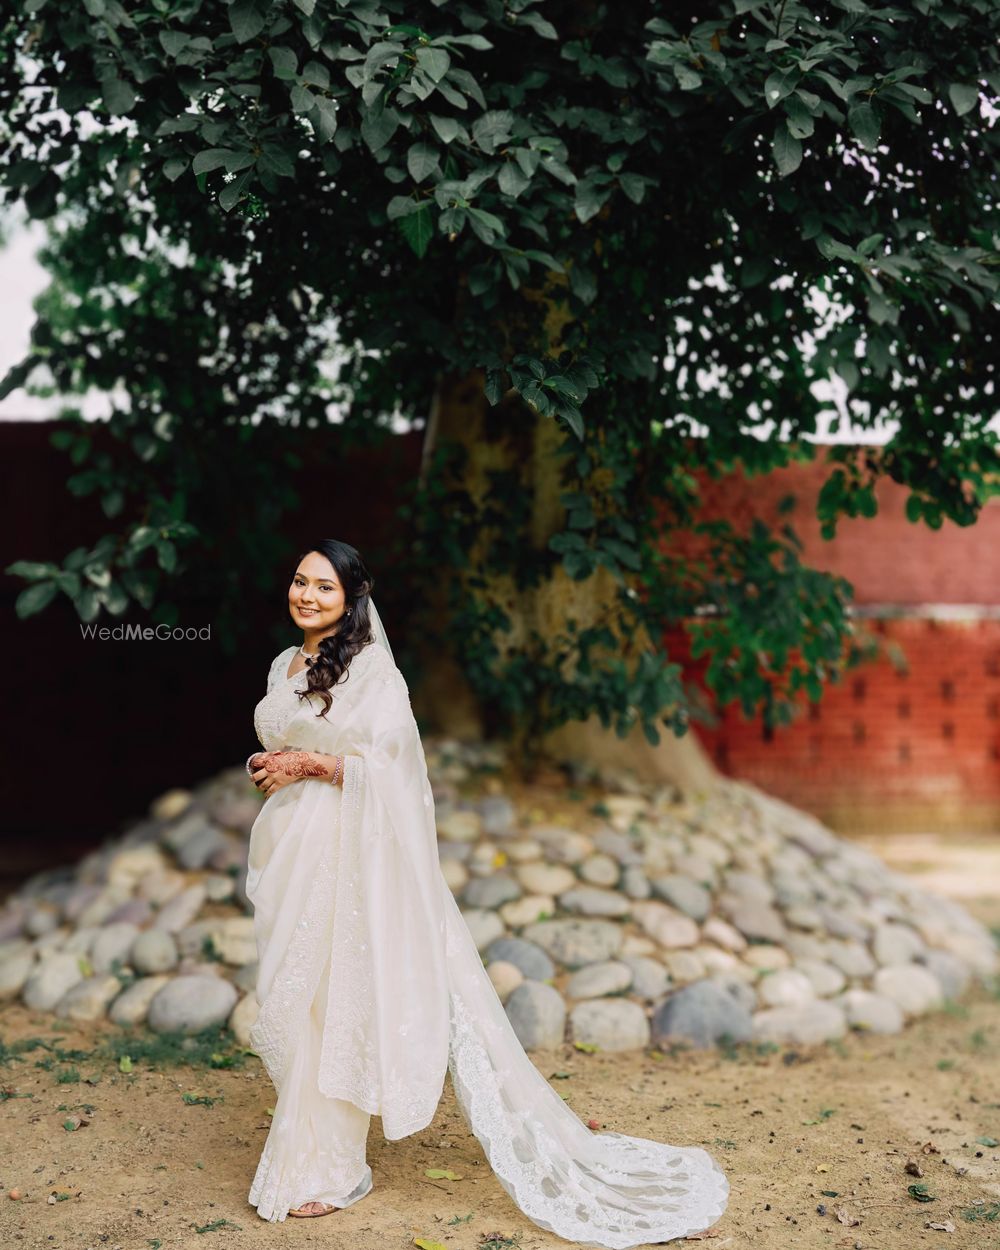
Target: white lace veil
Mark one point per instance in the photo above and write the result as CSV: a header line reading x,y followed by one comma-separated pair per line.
x,y
378,629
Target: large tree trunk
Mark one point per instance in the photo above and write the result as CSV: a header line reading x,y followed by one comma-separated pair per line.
x,y
510,438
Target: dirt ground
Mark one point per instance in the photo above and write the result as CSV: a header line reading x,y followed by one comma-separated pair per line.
x,y
797,1129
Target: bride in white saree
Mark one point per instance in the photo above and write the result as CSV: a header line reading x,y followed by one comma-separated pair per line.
x,y
370,985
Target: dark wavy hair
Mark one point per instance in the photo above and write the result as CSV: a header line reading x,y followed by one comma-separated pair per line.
x,y
353,632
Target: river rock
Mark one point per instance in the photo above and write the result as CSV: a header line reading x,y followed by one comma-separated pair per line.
x,y
650,980
538,1015
460,826
576,942
546,879
914,989
499,816
601,870
527,910
484,926
455,873
610,976
191,1003
817,1021
530,959
14,972
491,891
113,943
851,958
50,979
564,845
754,919
181,910
132,1004
665,924
873,1013
953,975
591,900
89,999
716,930
703,1013
243,1017
895,943
825,979
785,987
154,950
506,977
610,1024
685,895
635,883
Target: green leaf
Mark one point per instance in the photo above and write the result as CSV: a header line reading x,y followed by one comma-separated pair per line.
x,y
285,62
173,168
173,41
378,126
211,158
493,128
964,97
246,19
418,229
512,179
118,95
34,598
787,150
435,62
447,128
422,161
865,125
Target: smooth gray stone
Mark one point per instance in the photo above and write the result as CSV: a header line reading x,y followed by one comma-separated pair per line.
x,y
137,911
894,943
684,894
619,846
538,1015
89,999
874,1013
154,951
527,956
491,891
650,980
113,942
703,1013
14,972
484,925
610,976
635,883
50,980
817,1021
132,1004
591,900
201,846
576,942
181,910
499,815
191,1003
953,974
612,1024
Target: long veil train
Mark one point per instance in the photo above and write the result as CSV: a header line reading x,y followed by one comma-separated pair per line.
x,y
596,1189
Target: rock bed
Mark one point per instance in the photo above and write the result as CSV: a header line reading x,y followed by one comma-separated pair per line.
x,y
649,920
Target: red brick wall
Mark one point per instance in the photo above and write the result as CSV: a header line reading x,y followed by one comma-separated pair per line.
x,y
915,749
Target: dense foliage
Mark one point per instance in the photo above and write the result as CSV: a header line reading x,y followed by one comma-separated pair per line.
x,y
656,225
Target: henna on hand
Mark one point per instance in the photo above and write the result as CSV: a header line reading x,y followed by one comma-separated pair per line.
x,y
293,764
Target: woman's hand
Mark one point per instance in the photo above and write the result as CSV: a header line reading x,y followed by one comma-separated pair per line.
x,y
274,769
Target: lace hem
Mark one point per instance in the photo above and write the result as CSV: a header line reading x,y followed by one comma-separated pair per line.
x,y
278,1186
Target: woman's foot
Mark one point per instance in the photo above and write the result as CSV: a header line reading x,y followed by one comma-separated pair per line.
x,y
312,1208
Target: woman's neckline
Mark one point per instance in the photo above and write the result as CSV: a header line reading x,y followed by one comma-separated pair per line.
x,y
305,667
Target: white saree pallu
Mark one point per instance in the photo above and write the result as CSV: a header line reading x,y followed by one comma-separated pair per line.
x,y
371,990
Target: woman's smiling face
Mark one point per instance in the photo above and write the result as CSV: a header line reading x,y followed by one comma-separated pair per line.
x,y
316,598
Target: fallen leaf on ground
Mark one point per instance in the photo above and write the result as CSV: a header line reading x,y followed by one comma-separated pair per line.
x,y
822,1167
441,1174
945,1226
846,1217
425,1244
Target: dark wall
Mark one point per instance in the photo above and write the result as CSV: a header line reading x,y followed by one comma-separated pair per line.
x,y
95,729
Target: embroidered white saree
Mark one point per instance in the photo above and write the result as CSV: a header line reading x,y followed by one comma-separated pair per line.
x,y
371,988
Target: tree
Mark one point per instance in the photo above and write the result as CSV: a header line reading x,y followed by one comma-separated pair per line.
x,y
596,248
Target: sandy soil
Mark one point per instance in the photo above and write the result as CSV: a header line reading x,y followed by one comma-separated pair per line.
x,y
149,1169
